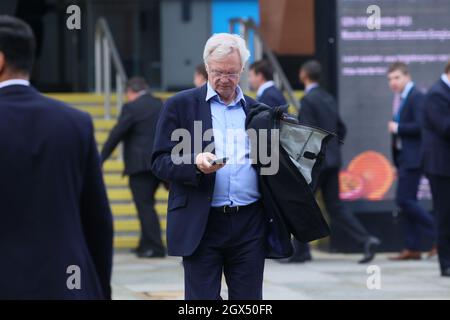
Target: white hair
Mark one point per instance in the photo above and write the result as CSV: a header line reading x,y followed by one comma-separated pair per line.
x,y
222,44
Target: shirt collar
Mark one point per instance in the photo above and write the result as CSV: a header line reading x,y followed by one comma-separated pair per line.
x,y
211,93
310,87
445,79
263,87
407,89
12,82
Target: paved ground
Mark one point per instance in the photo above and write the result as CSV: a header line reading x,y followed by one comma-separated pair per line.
x,y
329,276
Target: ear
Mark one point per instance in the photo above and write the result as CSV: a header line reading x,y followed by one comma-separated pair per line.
x,y
2,61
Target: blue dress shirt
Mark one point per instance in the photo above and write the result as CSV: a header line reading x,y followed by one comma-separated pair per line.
x,y
237,182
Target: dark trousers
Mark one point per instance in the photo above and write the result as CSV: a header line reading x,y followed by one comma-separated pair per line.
x,y
340,216
235,244
440,188
143,186
417,220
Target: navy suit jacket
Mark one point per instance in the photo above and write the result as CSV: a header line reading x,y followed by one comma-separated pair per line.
x,y
319,109
272,97
136,128
409,131
191,192
436,133
54,209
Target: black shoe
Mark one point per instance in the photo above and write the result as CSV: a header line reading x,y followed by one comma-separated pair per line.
x,y
135,250
297,259
445,272
370,247
150,254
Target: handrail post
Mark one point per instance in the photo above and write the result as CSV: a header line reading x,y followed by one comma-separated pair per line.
x,y
258,47
107,78
98,61
119,93
107,57
119,102
244,78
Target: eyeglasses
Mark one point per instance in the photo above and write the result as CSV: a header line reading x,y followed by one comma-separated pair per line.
x,y
220,74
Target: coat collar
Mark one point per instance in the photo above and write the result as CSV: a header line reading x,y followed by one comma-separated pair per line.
x,y
211,94
204,106
444,83
204,109
17,88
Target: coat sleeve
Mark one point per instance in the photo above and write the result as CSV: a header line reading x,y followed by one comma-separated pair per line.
x,y
437,112
162,165
123,125
414,127
96,216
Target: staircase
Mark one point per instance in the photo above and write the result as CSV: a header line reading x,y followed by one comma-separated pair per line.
x,y
126,223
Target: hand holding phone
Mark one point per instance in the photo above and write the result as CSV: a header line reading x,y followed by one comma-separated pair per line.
x,y
206,163
219,161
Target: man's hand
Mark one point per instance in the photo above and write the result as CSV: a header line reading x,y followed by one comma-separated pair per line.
x,y
393,127
202,162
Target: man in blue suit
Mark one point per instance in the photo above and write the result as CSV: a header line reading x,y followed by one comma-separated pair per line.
x,y
56,225
406,139
436,160
215,218
260,77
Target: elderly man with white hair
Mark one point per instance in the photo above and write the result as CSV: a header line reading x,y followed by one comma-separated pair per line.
x,y
216,221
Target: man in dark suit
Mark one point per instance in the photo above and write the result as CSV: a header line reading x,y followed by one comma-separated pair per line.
x,y
319,109
56,225
406,139
136,128
260,77
436,161
215,217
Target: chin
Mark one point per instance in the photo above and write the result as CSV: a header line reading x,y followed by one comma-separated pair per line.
x,y
225,92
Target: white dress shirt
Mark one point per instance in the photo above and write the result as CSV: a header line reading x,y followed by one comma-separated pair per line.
x,y
263,87
13,82
445,79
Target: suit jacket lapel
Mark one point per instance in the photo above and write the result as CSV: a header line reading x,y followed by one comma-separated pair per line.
x,y
404,104
204,113
246,105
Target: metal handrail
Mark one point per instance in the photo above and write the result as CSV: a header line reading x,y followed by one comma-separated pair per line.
x,y
105,49
261,47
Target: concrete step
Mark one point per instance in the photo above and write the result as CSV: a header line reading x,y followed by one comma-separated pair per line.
x,y
133,225
104,125
124,194
113,166
129,209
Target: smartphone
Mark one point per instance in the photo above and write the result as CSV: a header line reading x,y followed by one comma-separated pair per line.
x,y
219,161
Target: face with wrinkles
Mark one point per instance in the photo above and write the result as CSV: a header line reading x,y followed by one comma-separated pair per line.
x,y
224,74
